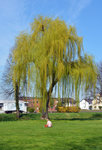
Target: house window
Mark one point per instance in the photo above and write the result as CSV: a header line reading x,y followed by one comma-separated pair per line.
x,y
1,105
90,107
26,104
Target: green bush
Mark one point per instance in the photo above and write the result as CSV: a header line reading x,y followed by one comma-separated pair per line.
x,y
69,109
100,107
31,110
12,117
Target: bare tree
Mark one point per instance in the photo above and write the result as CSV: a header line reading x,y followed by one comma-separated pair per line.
x,y
99,79
7,87
98,90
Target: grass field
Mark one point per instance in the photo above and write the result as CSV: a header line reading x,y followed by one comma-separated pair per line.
x,y
71,134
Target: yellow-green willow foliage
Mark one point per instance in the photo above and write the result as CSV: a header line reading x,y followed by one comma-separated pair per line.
x,y
52,53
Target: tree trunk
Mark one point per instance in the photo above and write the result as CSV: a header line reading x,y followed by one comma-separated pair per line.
x,y
17,114
47,104
17,101
49,94
43,114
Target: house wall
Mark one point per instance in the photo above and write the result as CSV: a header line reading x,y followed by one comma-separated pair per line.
x,y
96,104
11,106
33,103
53,109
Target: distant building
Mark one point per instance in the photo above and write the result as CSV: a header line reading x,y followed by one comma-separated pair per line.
x,y
97,102
35,103
7,106
86,104
68,102
52,108
32,102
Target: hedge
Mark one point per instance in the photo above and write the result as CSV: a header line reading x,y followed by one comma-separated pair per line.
x,y
8,117
12,117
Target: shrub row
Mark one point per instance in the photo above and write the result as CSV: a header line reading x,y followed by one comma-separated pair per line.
x,y
8,117
69,109
12,117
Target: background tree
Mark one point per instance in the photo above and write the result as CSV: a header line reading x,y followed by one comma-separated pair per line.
x,y
99,79
8,90
98,90
51,56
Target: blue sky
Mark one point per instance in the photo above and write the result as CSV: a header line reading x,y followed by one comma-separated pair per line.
x,y
85,15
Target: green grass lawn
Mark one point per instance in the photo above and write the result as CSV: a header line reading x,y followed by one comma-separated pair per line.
x,y
64,135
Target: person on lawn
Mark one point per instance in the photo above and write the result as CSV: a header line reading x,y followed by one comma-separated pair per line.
x,y
49,123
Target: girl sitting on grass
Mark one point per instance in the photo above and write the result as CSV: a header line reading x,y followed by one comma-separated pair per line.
x,y
49,123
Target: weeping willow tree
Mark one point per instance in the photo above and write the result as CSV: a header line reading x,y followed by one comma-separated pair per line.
x,y
51,56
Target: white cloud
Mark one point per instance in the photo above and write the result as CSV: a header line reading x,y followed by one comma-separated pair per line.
x,y
76,7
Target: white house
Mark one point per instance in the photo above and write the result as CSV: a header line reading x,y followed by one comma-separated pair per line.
x,y
10,106
85,104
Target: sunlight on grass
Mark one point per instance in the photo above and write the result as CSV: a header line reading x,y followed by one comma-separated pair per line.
x,y
65,134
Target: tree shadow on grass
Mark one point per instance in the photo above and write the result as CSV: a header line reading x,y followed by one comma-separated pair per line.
x,y
30,116
33,116
88,144
93,117
5,146
92,143
80,119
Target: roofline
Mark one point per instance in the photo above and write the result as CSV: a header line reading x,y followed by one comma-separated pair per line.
x,y
11,101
